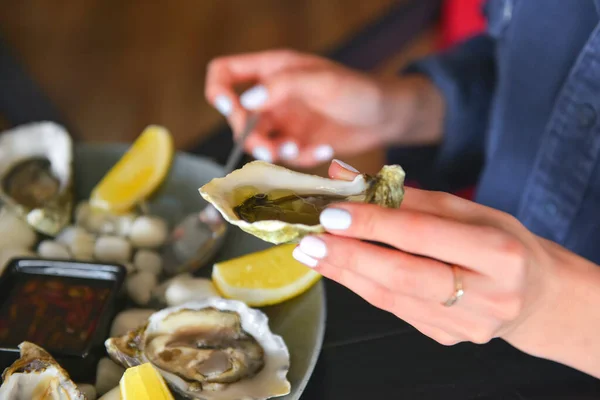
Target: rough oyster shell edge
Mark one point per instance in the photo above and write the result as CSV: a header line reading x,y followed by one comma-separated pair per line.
x,y
34,364
33,140
271,381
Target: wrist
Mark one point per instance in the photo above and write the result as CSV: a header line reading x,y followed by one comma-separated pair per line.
x,y
565,328
413,111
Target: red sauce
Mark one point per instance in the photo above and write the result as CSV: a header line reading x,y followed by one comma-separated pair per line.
x,y
56,313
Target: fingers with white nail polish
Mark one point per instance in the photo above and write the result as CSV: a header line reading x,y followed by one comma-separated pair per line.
x,y
298,96
313,246
224,105
347,167
335,219
254,97
305,154
323,153
262,153
288,151
310,250
260,146
342,171
304,258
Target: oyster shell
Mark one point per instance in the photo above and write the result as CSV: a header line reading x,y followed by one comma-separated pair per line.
x,y
36,175
214,349
37,376
279,205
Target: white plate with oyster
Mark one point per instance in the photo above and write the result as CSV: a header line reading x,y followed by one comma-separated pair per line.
x,y
300,322
214,349
262,353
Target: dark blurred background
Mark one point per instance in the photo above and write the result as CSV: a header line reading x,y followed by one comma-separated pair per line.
x,y
108,68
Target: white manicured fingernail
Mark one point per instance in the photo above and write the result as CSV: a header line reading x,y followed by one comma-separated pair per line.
x,y
223,105
304,258
323,152
313,247
335,219
254,97
288,151
345,166
261,153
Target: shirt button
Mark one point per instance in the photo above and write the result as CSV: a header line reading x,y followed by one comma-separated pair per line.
x,y
586,116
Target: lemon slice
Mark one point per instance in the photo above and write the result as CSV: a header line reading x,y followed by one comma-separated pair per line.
x,y
264,278
137,174
143,383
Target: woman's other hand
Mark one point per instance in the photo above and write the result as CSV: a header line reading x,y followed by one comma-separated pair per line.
x,y
312,109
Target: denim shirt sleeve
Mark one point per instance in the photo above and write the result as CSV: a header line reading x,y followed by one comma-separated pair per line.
x,y
465,74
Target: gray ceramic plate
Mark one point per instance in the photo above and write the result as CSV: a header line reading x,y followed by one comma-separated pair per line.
x,y
300,321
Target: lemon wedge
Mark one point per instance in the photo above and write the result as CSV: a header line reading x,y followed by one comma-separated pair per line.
x,y
263,278
143,383
137,174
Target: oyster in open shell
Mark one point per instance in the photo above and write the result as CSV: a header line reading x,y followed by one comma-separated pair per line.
x,y
214,349
36,180
279,205
37,376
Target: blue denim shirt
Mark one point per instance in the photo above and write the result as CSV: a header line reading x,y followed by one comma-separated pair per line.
x,y
526,96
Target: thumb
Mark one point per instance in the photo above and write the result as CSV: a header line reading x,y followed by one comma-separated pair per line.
x,y
340,170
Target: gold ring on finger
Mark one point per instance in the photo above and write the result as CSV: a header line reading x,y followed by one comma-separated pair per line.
x,y
458,287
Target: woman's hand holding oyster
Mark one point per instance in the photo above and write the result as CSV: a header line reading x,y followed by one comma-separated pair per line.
x,y
500,279
455,270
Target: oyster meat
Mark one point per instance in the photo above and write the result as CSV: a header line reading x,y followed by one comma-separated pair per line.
x,y
37,376
214,349
36,180
279,205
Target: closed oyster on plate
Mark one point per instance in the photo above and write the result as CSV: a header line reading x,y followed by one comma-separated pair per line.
x,y
36,180
279,205
214,349
37,376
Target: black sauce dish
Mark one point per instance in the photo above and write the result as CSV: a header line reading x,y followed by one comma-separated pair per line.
x,y
65,307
